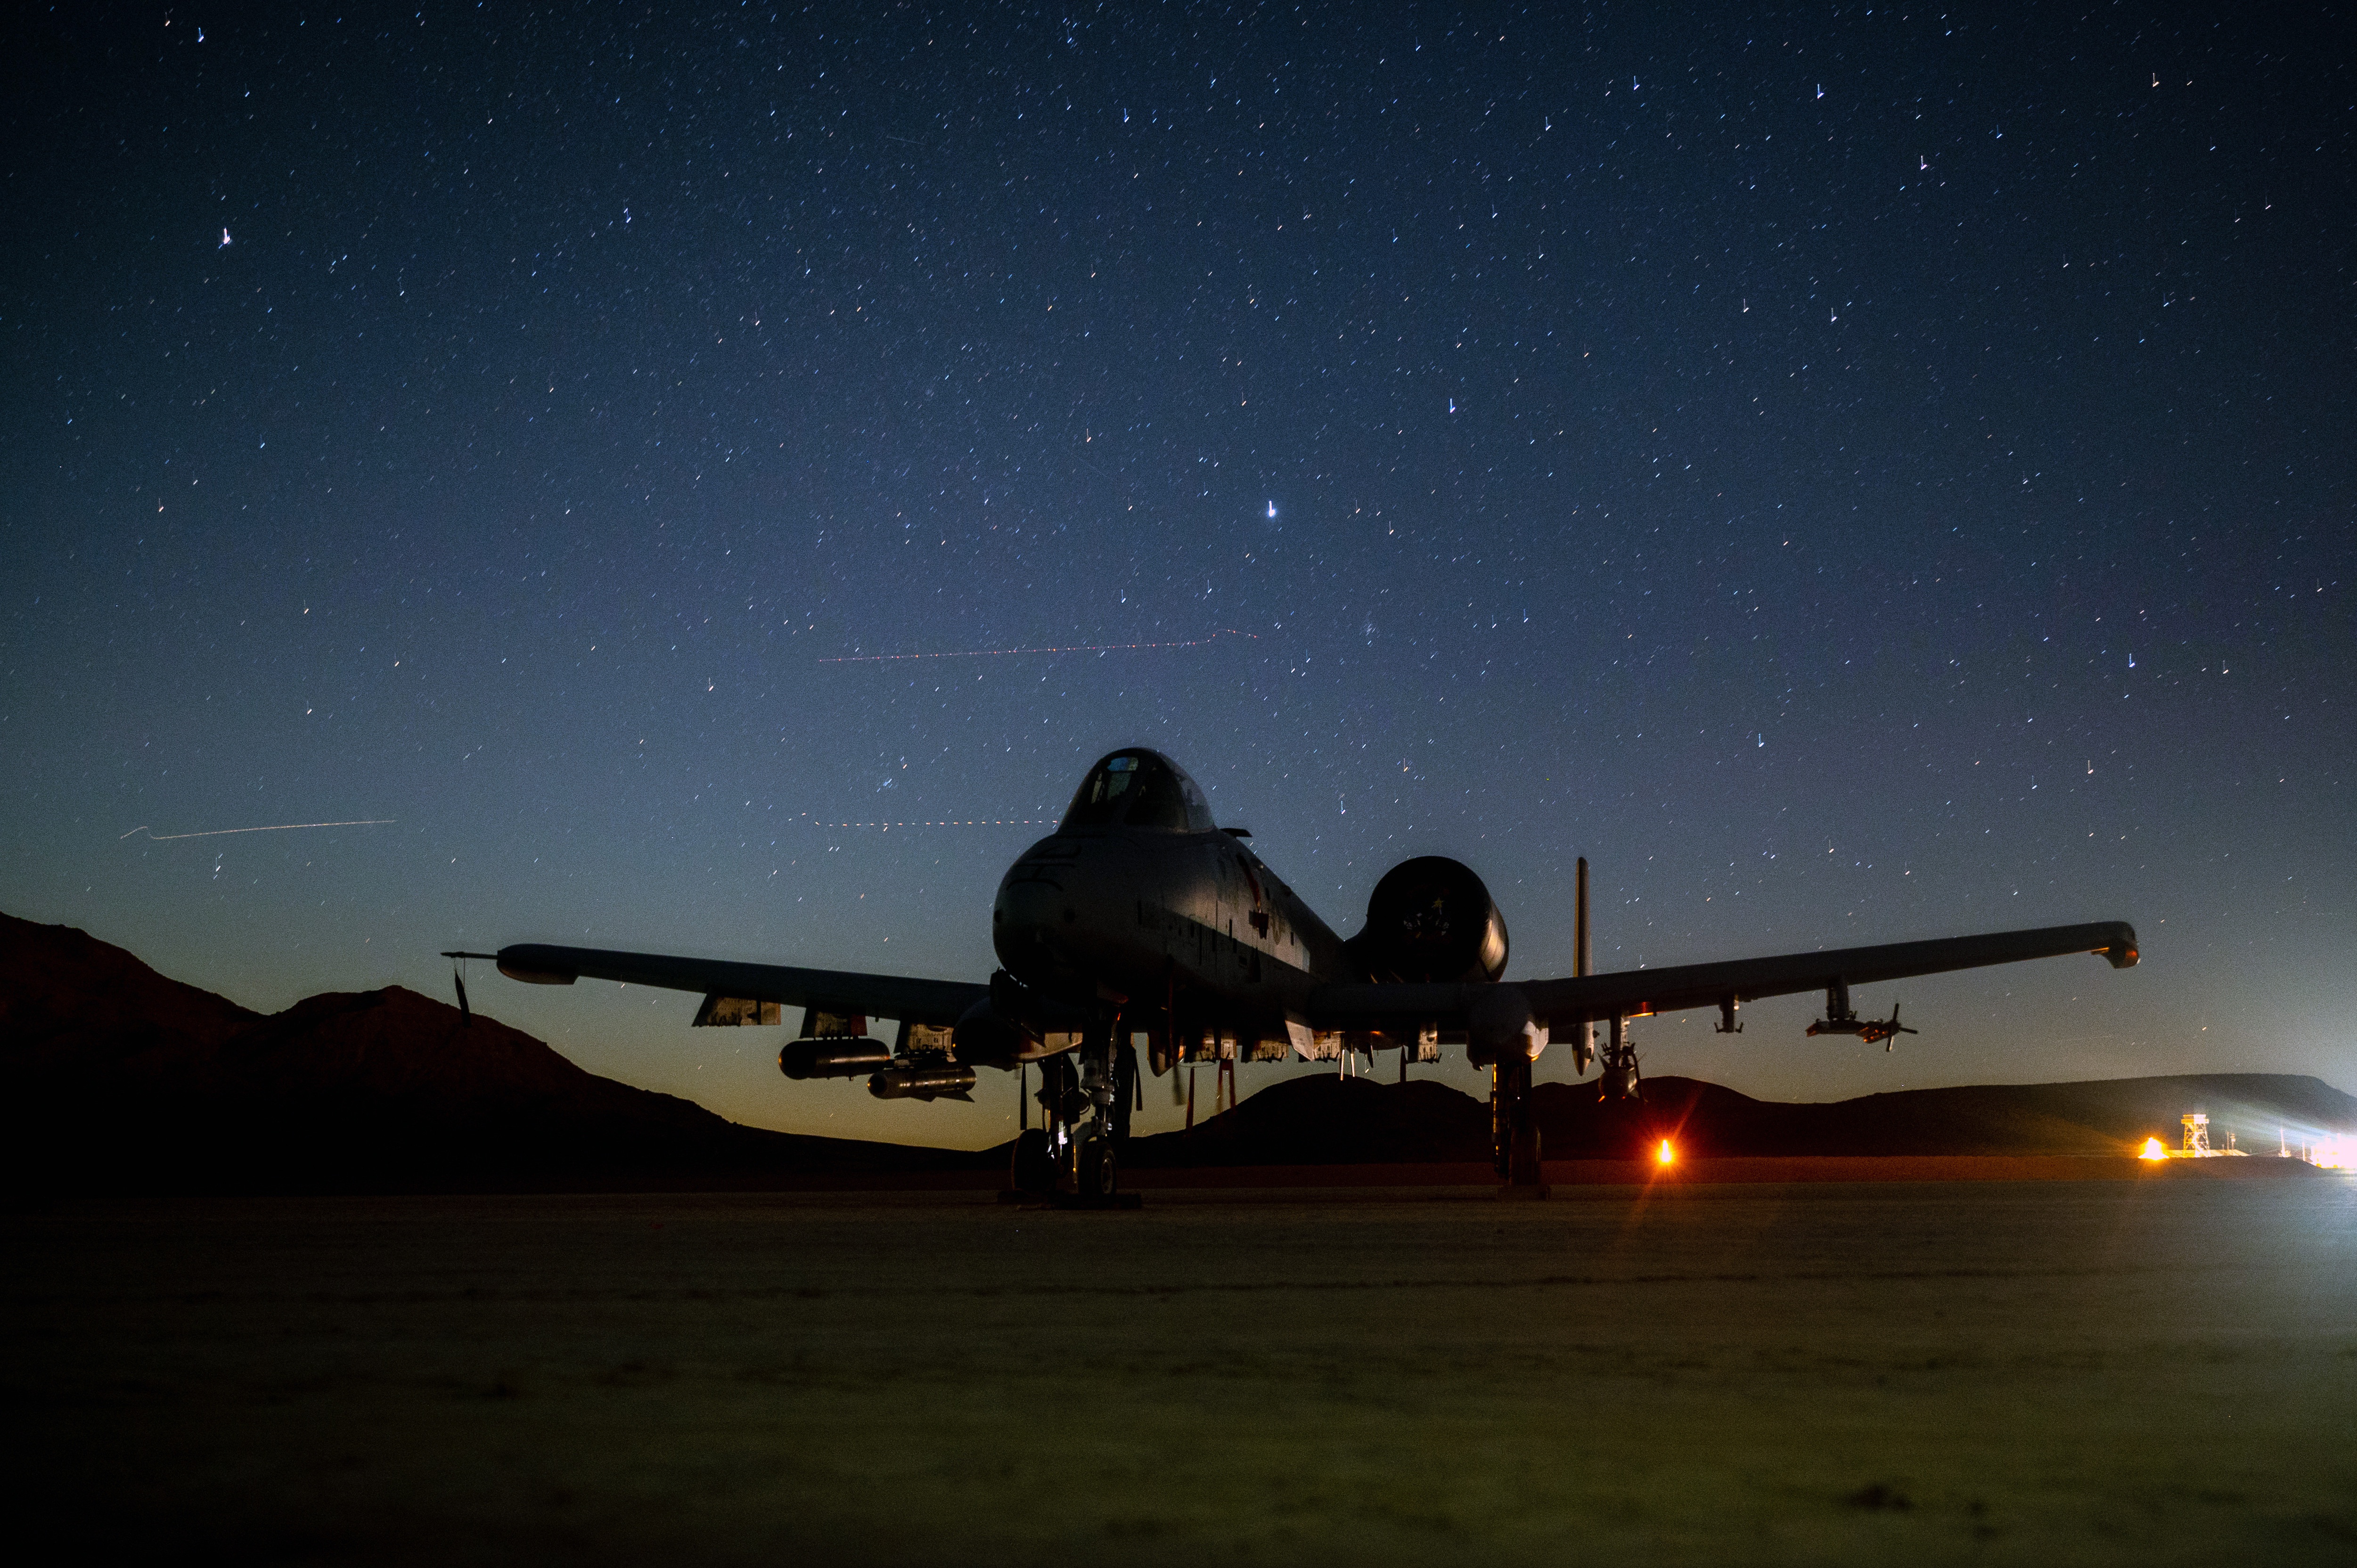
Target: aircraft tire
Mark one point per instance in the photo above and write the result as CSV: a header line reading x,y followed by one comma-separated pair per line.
x,y
1033,1168
1099,1173
1522,1160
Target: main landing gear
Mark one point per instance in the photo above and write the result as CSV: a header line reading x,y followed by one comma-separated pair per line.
x,y
1514,1133
1073,1160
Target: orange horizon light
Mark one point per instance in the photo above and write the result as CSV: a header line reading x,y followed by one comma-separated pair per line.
x,y
2154,1149
1666,1155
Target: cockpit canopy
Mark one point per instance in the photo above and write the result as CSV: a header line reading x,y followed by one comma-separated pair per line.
x,y
1140,789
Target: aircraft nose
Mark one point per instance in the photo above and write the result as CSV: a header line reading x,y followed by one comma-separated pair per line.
x,y
1025,920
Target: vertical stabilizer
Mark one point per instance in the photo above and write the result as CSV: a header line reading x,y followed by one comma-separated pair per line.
x,y
1579,923
1583,1044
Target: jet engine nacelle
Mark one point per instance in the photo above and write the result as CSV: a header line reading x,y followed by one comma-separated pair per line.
x,y
1431,920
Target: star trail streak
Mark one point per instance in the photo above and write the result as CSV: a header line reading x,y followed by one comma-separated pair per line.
x,y
952,822
273,828
1077,647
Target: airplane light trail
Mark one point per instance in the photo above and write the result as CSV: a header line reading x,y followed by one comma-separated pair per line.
x,y
993,652
273,828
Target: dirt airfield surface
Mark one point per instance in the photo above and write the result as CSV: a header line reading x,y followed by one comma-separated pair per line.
x,y
2086,1371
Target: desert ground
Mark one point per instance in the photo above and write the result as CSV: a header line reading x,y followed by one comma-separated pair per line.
x,y
2049,1373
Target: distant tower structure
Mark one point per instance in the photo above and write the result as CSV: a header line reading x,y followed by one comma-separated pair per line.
x,y
2197,1135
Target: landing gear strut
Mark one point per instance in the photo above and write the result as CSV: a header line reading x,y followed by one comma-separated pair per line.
x,y
1514,1133
1085,1098
1041,1151
1090,1172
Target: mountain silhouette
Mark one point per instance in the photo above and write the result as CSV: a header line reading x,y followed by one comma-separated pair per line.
x,y
1322,1118
120,1078
1326,1119
2104,1116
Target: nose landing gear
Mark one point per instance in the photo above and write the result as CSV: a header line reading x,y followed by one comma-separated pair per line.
x,y
1084,1096
1095,1173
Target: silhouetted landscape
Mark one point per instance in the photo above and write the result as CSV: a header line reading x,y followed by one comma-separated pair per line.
x,y
1327,1119
120,1077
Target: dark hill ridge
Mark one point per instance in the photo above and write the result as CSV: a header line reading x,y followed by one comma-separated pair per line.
x,y
70,1003
1320,1119
1326,1120
2106,1116
120,1076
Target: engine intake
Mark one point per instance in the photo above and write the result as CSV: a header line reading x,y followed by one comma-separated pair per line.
x,y
1430,919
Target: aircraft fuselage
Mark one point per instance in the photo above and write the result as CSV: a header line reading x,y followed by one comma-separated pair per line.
x,y
1107,914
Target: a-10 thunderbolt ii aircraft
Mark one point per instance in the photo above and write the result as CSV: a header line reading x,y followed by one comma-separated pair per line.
x,y
1139,917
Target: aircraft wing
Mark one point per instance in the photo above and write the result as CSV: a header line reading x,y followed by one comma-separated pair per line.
x,y
1564,1003
938,1002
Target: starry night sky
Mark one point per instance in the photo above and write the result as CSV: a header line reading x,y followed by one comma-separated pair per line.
x,y
1855,475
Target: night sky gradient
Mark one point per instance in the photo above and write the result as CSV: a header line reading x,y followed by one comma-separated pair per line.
x,y
1855,474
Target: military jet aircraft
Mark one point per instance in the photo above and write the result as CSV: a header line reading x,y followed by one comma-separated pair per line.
x,y
1140,917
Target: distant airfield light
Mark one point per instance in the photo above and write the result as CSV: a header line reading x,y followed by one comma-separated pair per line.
x,y
2154,1149
2333,1155
1666,1155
